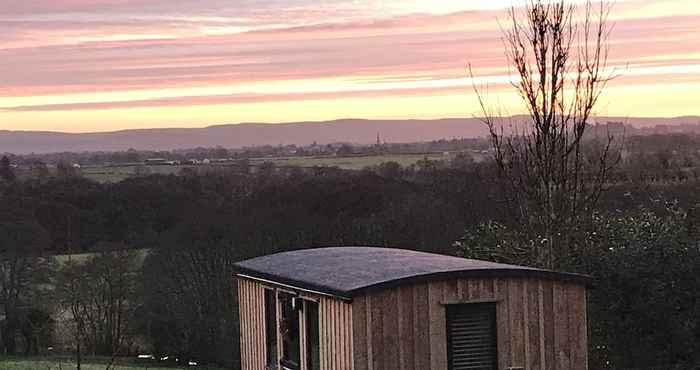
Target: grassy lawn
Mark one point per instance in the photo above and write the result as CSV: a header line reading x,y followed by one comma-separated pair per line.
x,y
22,363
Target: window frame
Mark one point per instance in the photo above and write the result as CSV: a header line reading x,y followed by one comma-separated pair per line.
x,y
310,333
271,357
286,363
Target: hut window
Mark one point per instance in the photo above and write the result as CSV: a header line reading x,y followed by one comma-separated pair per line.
x,y
471,336
271,327
290,331
313,361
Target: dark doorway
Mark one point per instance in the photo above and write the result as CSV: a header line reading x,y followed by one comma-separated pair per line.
x,y
289,330
313,360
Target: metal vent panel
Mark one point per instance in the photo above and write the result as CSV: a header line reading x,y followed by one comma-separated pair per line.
x,y
471,337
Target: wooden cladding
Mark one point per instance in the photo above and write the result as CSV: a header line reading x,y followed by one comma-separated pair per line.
x,y
251,308
540,324
335,335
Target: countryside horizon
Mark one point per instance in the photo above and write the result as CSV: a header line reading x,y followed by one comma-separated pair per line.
x,y
107,65
350,184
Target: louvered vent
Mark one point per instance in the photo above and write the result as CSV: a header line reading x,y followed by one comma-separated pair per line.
x,y
471,337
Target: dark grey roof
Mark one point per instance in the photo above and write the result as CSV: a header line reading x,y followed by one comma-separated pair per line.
x,y
351,271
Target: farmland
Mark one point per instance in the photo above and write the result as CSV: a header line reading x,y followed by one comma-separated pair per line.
x,y
116,173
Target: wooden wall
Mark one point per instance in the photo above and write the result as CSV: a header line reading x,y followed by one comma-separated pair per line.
x,y
335,329
336,337
541,324
251,303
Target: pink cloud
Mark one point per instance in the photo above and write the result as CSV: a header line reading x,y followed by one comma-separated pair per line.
x,y
55,55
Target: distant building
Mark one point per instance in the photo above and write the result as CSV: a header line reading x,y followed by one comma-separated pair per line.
x,y
360,308
155,161
160,162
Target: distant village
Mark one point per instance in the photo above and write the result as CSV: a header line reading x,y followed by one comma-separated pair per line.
x,y
475,148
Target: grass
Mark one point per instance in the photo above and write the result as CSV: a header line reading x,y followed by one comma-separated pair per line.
x,y
116,173
82,257
110,174
349,163
32,363
119,173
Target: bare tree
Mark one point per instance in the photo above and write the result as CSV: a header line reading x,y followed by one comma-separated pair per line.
x,y
72,294
100,295
23,271
551,177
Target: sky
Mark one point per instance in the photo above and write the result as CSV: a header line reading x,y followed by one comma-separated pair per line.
x,y
102,65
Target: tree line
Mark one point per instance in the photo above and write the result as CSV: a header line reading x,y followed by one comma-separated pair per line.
x,y
158,274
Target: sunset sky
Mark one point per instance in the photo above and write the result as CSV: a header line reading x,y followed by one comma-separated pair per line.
x,y
99,65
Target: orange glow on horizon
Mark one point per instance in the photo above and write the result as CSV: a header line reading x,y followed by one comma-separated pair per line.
x,y
101,65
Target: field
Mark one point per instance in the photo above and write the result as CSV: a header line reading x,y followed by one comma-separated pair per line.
x,y
349,163
120,172
21,363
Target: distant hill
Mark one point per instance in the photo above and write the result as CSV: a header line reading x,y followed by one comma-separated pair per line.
x,y
255,134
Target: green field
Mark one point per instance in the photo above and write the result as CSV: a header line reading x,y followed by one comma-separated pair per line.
x,y
62,259
120,172
349,163
20,363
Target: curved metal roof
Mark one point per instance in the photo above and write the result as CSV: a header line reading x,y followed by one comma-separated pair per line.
x,y
347,272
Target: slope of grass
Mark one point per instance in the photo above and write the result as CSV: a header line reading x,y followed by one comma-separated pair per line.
x,y
38,363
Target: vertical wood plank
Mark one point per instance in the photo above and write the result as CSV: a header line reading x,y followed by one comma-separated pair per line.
x,y
390,329
561,327
584,344
351,338
476,285
337,336
347,350
472,290
486,289
526,321
451,290
259,325
421,345
502,324
542,319
400,291
303,350
533,324
378,357
438,340
359,331
516,323
249,340
462,289
241,324
323,337
253,321
406,330
548,313
370,343
577,326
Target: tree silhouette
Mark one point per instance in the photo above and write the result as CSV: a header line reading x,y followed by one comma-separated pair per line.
x,y
6,172
551,179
